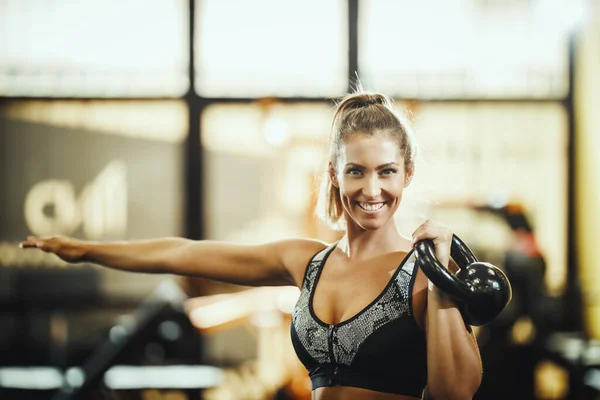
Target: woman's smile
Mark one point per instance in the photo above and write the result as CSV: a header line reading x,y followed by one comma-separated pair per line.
x,y
371,207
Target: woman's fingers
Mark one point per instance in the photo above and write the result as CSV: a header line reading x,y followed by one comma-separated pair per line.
x,y
64,247
441,236
31,241
37,242
430,230
419,233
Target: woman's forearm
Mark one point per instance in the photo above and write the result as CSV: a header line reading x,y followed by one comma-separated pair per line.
x,y
454,363
150,256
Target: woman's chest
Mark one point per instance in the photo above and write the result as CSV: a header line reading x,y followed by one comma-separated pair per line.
x,y
344,290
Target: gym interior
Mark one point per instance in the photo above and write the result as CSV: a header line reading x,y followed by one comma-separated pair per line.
x,y
118,123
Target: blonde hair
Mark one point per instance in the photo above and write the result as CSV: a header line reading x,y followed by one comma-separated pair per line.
x,y
367,114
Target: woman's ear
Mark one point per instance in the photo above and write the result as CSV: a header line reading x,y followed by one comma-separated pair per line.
x,y
333,175
408,177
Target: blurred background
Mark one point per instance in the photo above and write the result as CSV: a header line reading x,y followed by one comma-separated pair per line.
x,y
209,119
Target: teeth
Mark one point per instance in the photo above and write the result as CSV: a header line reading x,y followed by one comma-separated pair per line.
x,y
371,207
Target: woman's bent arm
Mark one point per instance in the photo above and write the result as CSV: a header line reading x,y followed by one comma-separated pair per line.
x,y
453,360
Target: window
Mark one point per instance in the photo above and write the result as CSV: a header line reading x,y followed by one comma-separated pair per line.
x,y
129,48
467,49
271,48
262,166
492,153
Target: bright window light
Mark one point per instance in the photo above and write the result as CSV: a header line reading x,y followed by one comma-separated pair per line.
x,y
268,155
116,48
123,377
271,48
466,48
162,120
259,129
33,378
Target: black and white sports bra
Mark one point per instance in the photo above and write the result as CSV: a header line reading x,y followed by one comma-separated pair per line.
x,y
381,348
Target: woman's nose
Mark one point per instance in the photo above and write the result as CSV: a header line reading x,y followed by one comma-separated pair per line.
x,y
372,189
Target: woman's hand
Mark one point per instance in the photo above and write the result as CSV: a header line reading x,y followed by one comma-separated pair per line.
x,y
441,236
66,248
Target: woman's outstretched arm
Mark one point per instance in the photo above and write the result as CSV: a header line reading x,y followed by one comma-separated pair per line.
x,y
272,264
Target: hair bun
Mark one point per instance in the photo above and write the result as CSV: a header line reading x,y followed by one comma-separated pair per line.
x,y
365,103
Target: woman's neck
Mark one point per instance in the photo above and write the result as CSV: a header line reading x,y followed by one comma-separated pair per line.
x,y
359,243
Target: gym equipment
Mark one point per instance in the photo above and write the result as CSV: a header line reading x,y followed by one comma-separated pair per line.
x,y
481,289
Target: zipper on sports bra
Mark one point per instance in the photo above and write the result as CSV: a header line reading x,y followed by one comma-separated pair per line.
x,y
334,379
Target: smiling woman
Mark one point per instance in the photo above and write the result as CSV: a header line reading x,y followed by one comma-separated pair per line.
x,y
352,321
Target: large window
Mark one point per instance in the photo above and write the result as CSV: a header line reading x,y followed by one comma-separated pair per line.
x,y
474,154
271,48
128,48
467,49
262,166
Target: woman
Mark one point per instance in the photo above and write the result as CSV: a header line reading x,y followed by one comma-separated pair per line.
x,y
368,323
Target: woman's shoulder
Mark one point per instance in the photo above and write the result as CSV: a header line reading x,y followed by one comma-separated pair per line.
x,y
297,253
301,249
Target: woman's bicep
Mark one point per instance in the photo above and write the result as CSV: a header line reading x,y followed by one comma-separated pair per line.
x,y
251,265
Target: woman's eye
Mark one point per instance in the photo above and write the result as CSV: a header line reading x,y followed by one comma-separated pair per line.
x,y
354,172
388,171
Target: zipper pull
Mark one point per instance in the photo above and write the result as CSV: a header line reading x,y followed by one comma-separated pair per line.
x,y
334,378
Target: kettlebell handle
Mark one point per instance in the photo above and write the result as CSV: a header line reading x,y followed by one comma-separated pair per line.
x,y
480,289
461,253
441,276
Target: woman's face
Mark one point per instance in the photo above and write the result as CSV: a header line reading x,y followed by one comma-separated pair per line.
x,y
370,176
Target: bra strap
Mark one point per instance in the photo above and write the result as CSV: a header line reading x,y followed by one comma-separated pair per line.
x,y
320,256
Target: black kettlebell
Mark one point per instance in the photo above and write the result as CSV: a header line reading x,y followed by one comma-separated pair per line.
x,y
481,289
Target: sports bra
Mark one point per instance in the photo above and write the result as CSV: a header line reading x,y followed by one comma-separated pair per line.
x,y
381,348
